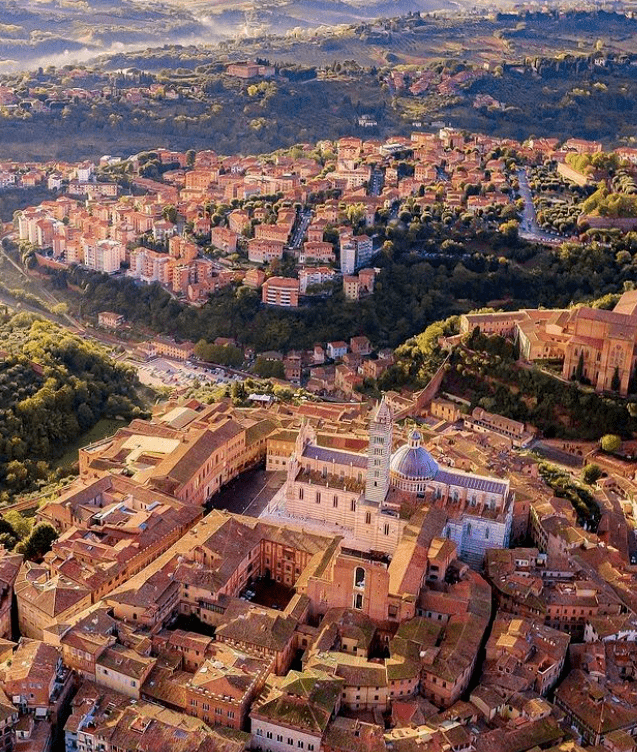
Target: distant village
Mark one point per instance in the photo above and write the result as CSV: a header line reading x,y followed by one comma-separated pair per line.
x,y
214,221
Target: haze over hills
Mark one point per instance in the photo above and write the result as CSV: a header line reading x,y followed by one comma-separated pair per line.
x,y
36,34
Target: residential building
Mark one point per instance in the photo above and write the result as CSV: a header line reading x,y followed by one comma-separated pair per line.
x,y
281,291
296,712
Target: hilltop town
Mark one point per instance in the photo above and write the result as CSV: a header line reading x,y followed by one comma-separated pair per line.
x,y
318,379
388,579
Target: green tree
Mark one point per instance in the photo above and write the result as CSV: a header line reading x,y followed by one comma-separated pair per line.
x,y
615,382
579,370
20,525
611,443
591,473
509,230
239,393
39,541
269,368
170,213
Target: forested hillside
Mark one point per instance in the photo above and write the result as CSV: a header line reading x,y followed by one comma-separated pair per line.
x,y
53,387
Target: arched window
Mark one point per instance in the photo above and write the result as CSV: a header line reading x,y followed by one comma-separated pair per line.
x,y
359,577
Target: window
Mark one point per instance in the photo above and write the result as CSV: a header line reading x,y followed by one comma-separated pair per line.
x,y
300,493
335,502
231,714
279,737
299,744
358,600
290,741
352,505
268,734
368,518
259,732
486,533
318,497
386,528
359,577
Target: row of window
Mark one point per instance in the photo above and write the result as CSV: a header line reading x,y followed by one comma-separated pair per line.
x,y
289,740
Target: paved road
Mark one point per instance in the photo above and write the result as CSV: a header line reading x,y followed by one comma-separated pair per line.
x,y
529,228
442,175
301,229
376,182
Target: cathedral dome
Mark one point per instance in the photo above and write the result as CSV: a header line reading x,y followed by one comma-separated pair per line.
x,y
413,462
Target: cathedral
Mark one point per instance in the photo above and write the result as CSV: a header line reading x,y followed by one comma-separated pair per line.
x,y
372,496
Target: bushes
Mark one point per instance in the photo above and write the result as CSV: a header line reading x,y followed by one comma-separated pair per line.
x,y
591,473
488,377
582,500
611,443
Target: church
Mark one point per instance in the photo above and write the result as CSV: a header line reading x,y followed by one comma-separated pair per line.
x,y
372,496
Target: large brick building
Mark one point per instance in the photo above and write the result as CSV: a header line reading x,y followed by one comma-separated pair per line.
x,y
593,344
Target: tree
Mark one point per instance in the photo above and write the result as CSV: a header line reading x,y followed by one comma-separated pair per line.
x,y
269,368
615,382
191,155
239,393
20,525
39,541
170,213
611,443
355,213
591,473
579,371
509,230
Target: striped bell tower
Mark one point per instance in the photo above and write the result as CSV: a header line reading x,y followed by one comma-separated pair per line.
x,y
379,453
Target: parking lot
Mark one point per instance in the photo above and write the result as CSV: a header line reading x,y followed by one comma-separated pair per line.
x,y
165,372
